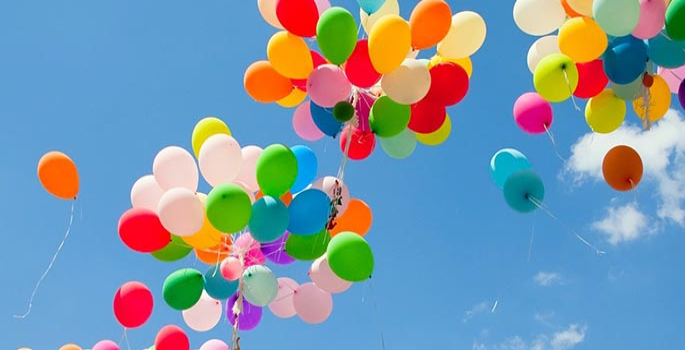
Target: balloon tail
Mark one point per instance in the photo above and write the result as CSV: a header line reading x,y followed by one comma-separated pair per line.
x,y
568,83
52,262
532,238
646,105
128,343
554,143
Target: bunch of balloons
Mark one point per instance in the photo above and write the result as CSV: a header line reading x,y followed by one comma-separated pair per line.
x,y
522,187
363,89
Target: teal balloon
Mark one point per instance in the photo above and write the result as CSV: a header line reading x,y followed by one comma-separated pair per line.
x,y
675,19
269,219
370,6
523,189
307,166
625,59
183,288
336,34
616,17
217,286
228,208
350,257
309,212
276,170
307,248
400,146
666,52
627,92
260,285
506,162
388,118
177,249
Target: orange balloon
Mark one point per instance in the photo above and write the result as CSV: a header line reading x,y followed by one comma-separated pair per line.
x,y
356,218
622,168
58,174
264,84
429,23
217,253
285,198
70,347
569,11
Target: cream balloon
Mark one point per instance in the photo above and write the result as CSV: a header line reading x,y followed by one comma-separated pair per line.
x,y
267,8
324,278
390,7
181,211
583,7
283,306
539,17
312,304
220,159
204,315
173,167
465,37
146,193
248,171
542,47
407,84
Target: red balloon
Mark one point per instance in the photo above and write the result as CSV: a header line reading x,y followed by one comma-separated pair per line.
x,y
362,143
591,79
172,337
141,230
427,116
133,304
298,16
359,70
449,84
318,60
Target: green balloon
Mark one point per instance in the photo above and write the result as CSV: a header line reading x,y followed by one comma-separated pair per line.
x,y
177,249
675,20
307,248
183,288
343,111
228,208
388,118
336,34
276,170
350,257
400,146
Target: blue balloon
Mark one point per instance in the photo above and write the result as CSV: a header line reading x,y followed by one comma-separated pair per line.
x,y
309,211
217,286
666,52
370,6
523,189
269,219
506,162
625,59
324,120
306,167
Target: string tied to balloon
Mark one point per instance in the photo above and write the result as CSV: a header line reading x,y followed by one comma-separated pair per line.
x,y
570,89
554,143
646,103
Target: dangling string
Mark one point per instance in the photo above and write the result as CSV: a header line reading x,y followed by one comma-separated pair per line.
x,y
374,304
568,83
52,262
532,238
554,143
646,104
128,344
635,189
238,309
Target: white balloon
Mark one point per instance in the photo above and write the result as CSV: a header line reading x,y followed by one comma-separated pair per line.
x,y
583,7
539,17
248,171
324,278
390,7
220,159
175,167
181,212
408,83
465,37
204,315
542,47
146,193
312,304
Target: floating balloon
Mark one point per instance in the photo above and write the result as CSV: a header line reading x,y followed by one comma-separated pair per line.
x,y
269,219
276,170
298,16
289,55
173,167
267,8
146,193
350,257
370,6
389,43
304,124
625,59
538,17
541,48
307,165
248,170
665,52
324,120
427,116
231,268
361,145
388,118
264,84
204,315
307,247
359,69
464,62
295,97
606,13
591,79
217,286
675,17
673,77
283,306
206,128
658,102
318,60
141,230
556,77
105,345
389,7
343,111
532,113
259,285
58,175
249,316
429,22
438,136
449,84
275,251
524,191
228,208
215,254
336,34
250,250
133,304
465,36
652,19
172,337
181,211
583,7
324,278
309,212
214,344
506,162
328,85
622,168
400,146
70,347
220,159
183,288
174,251
312,304
334,187
681,94
407,84
582,39
605,112
628,92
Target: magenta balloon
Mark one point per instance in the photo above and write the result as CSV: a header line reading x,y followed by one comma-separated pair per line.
x,y
363,108
652,18
532,113
275,251
106,345
250,316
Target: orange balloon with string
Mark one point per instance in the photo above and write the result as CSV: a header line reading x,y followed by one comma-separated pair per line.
x,y
622,168
58,174
356,218
217,253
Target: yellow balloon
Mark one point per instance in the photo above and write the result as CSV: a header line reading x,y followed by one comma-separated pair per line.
x,y
583,7
463,62
389,43
438,136
204,129
555,77
208,236
390,7
295,98
70,347
465,37
289,55
605,112
582,39
659,101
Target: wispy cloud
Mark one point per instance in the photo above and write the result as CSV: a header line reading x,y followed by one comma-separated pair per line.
x,y
547,279
623,224
565,339
476,309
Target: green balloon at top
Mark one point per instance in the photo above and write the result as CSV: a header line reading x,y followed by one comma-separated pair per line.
x,y
389,118
276,170
336,34
675,20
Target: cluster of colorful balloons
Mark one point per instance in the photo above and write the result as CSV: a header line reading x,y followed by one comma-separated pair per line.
x,y
361,89
522,187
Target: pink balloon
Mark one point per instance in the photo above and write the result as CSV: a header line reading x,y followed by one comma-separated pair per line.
x,y
673,77
652,17
214,344
532,113
106,345
175,167
304,125
231,268
220,159
324,278
283,306
327,184
322,5
146,193
204,315
312,304
248,171
181,211
328,85
248,247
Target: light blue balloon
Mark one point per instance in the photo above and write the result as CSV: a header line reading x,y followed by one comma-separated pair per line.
x,y
307,165
370,6
625,59
324,120
523,189
665,51
616,17
506,162
260,285
309,212
217,286
627,92
269,219
400,146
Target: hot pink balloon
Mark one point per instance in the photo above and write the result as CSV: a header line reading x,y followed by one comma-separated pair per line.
x,y
328,85
312,304
220,159
146,193
328,185
181,211
652,18
231,268
249,248
248,170
324,278
283,305
673,77
364,102
532,113
304,125
106,345
173,167
213,344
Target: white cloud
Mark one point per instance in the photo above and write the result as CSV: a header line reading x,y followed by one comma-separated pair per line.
x,y
479,308
624,223
547,279
566,339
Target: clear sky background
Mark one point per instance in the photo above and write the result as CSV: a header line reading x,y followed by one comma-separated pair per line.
x,y
113,82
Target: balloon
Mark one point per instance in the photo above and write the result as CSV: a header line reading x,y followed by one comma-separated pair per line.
x,y
105,345
541,48
389,43
343,111
220,159
206,128
214,344
605,112
666,52
569,11
312,304
582,39
336,34
141,231
175,250
363,107
388,118
172,337
464,62
298,16
370,6
673,77
438,136
361,145
538,17
248,170
328,85
304,125
309,212
307,247
264,84
289,55
389,7
249,249
306,167
286,198
532,113
583,7
276,170
359,69
658,103
651,20
217,286
628,92
146,193
409,83
183,288
249,316
350,257
681,94
229,207
181,212
324,278
504,163
616,17
267,8
269,219
465,36
231,268
449,84
215,254
275,251
357,218
400,146
133,304
426,116
295,97
429,22
204,315
334,188
70,347
523,190
58,175
324,120
625,59
591,79
173,166
318,60
556,77
675,17
283,306
259,285
622,168
208,236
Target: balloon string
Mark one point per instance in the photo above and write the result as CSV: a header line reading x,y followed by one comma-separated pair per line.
x,y
52,262
374,304
554,143
568,83
646,105
128,344
572,231
532,238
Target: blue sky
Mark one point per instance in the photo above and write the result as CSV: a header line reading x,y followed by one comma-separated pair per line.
x,y
113,82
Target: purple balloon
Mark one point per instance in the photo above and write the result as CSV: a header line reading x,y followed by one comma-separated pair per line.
x,y
250,316
275,251
681,93
363,107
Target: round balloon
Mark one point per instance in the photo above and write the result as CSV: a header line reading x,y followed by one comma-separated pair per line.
x,y
172,337
173,167
465,36
146,193
141,230
400,146
276,170
307,247
538,17
309,212
388,118
259,285
58,175
524,191
249,317
220,159
312,304
622,168
283,306
324,278
228,208
506,162
206,128
336,34
133,304
532,113
216,285
389,43
350,257
605,112
181,211
204,315
183,288
556,77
